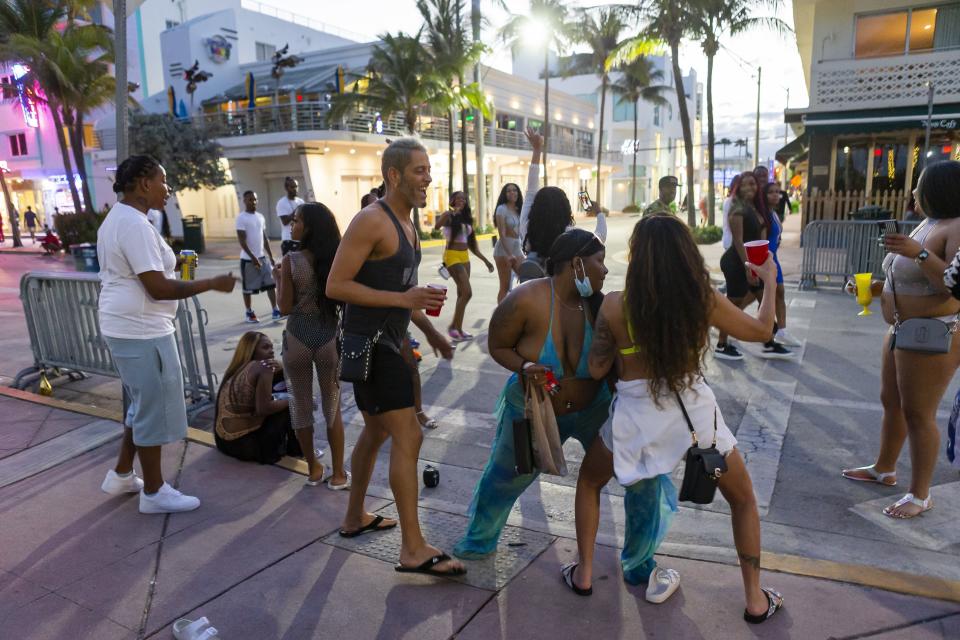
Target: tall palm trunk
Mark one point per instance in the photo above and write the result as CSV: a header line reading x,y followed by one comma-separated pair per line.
x,y
603,105
410,118
633,181
711,187
65,156
687,133
463,152
546,110
451,119
76,144
463,146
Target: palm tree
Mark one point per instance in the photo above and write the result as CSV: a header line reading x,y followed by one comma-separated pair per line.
x,y
730,17
82,54
669,21
397,80
551,18
453,52
636,83
600,30
25,28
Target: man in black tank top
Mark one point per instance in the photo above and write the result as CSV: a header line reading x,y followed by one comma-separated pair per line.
x,y
375,274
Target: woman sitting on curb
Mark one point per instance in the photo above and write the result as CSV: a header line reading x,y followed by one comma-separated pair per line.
x,y
252,424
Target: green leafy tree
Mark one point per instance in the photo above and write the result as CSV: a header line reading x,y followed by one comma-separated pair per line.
x,y
552,20
600,30
718,18
189,153
636,82
453,52
670,21
25,29
398,80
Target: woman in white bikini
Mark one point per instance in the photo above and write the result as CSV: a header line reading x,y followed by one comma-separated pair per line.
x,y
912,383
651,338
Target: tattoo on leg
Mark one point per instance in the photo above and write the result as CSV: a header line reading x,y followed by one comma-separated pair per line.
x,y
753,561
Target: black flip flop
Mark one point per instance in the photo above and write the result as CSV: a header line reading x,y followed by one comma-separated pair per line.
x,y
428,567
566,574
774,606
372,527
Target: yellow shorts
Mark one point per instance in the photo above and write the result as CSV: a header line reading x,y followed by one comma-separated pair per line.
x,y
455,256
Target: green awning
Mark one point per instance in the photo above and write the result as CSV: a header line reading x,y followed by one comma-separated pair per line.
x,y
792,149
946,117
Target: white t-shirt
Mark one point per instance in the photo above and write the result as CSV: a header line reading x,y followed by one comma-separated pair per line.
x,y
254,224
727,239
128,245
286,207
156,219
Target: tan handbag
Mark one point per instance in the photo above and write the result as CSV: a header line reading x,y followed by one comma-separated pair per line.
x,y
544,432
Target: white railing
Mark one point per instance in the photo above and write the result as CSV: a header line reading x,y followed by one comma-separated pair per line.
x,y
893,81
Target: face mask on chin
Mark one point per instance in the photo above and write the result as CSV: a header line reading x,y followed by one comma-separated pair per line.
x,y
583,285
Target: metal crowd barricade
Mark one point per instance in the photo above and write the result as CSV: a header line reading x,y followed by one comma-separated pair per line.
x,y
60,310
836,250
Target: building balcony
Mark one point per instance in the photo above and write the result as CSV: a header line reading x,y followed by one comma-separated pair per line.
x,y
890,81
311,117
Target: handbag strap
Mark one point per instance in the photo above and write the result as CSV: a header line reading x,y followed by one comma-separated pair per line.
x,y
693,432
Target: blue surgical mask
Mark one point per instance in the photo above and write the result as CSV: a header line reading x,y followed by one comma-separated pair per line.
x,y
583,285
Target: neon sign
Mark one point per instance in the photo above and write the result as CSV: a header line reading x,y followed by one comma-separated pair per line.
x,y
27,105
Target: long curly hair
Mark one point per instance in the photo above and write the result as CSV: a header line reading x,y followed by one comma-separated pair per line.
x,y
462,218
550,215
667,301
502,199
321,235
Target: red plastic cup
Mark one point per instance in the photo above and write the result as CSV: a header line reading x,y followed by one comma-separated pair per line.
x,y
757,251
436,312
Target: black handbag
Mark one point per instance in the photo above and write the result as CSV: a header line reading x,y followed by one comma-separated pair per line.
x,y
522,447
356,354
702,467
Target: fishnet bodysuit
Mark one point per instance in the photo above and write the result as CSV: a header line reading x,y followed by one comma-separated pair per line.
x,y
308,344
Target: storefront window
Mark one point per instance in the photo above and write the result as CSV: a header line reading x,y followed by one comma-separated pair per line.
x,y
851,172
889,166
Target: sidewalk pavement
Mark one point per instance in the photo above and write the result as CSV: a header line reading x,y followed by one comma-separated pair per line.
x,y
261,559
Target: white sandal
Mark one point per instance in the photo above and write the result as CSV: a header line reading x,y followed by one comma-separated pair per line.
x,y
925,505
879,478
200,629
340,487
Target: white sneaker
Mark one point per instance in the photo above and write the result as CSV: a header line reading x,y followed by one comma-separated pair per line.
x,y
783,336
167,500
117,485
662,584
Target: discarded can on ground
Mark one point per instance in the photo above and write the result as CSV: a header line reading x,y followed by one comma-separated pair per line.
x,y
188,266
431,476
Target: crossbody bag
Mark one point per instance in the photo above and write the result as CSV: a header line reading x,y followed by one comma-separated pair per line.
x,y
356,353
702,467
927,335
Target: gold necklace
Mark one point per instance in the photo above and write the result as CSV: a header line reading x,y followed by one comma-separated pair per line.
x,y
579,307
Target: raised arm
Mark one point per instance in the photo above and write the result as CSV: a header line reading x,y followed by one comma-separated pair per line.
x,y
729,318
533,179
934,266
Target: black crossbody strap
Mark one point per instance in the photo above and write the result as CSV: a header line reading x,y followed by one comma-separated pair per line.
x,y
693,432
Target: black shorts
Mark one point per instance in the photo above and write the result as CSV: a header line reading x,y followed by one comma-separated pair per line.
x,y
735,274
390,385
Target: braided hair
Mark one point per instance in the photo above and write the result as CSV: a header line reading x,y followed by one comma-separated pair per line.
x,y
133,169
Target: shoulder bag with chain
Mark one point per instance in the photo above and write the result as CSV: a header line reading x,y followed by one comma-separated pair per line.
x,y
928,335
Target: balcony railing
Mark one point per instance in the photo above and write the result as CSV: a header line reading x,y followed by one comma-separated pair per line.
x,y
311,116
894,81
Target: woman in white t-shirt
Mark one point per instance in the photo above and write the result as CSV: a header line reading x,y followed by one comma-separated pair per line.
x,y
138,303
